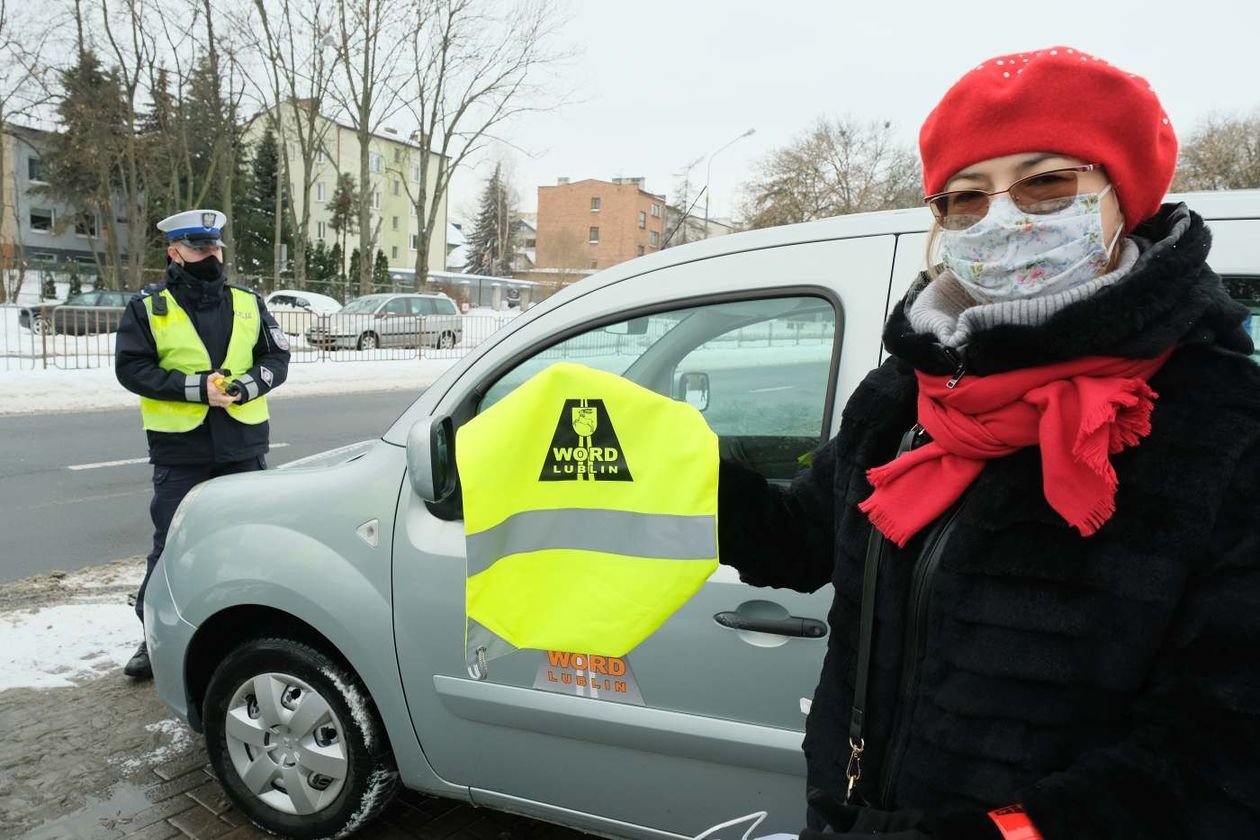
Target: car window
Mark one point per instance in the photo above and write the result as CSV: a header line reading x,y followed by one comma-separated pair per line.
x,y
281,300
303,302
85,299
115,299
398,306
362,305
421,306
1246,290
443,306
759,371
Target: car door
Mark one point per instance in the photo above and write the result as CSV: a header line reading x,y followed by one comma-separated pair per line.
x,y
75,318
706,721
395,316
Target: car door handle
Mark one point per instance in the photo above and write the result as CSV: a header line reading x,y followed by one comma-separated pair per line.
x,y
792,625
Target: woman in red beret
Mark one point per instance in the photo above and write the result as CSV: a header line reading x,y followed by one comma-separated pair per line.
x,y
1041,516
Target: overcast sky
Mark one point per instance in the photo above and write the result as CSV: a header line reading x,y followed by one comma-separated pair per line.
x,y
660,83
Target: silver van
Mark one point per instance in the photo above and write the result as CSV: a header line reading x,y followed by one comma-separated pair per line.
x,y
390,320
310,621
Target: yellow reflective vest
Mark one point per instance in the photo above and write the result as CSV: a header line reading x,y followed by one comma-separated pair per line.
x,y
180,348
590,512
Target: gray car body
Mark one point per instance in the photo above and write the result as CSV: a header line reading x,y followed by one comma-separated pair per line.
x,y
292,548
343,330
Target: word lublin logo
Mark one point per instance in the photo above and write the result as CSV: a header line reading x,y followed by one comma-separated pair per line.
x,y
585,446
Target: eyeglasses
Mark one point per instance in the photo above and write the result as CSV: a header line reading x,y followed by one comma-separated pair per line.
x,y
1045,192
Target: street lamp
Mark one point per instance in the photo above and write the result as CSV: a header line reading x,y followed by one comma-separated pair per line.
x,y
709,172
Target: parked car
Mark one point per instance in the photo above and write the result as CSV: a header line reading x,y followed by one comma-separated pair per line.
x,y
82,314
390,320
311,621
298,311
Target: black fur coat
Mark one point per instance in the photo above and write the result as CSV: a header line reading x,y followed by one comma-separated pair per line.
x,y
1110,684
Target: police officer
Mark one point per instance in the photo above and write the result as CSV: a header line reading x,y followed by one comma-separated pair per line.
x,y
202,354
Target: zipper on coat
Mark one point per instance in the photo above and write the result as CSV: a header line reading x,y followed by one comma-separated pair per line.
x,y
914,645
960,367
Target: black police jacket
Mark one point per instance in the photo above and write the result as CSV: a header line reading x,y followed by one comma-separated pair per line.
x,y
1110,684
220,439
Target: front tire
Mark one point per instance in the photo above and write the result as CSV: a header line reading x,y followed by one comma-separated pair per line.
x,y
368,341
446,341
295,742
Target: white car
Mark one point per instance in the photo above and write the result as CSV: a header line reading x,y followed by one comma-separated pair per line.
x,y
298,311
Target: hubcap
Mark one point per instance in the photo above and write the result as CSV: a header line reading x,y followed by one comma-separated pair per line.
x,y
369,342
448,341
286,743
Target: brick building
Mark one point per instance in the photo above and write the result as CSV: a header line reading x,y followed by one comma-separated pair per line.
x,y
595,224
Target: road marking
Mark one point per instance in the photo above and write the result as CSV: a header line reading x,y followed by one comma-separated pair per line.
x,y
768,390
127,461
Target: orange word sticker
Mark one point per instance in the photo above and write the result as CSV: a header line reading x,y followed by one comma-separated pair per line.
x,y
583,675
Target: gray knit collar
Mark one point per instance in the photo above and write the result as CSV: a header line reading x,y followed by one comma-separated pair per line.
x,y
944,308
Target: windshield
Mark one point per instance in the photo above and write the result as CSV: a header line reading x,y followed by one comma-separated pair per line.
x,y
363,304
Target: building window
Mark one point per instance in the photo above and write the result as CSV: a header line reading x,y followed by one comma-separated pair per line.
x,y
42,220
393,252
85,224
397,155
656,211
376,161
35,170
655,239
594,263
397,187
394,222
641,250
325,156
594,236
415,173
595,205
412,208
642,219
376,199
321,229
415,241
319,190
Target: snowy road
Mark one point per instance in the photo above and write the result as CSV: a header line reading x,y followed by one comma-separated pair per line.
x,y
53,516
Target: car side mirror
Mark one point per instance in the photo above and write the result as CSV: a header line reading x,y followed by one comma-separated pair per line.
x,y
431,458
693,389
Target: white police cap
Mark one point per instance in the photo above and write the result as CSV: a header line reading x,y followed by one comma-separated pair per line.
x,y
196,227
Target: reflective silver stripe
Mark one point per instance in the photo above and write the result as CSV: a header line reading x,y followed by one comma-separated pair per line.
x,y
656,535
192,387
251,387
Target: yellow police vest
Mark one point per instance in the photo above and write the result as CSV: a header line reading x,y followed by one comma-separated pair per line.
x,y
590,513
180,348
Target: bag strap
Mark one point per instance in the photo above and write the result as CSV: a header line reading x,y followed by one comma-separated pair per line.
x,y
876,548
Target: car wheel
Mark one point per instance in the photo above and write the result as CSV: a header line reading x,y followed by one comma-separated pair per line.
x,y
368,341
295,742
38,325
446,341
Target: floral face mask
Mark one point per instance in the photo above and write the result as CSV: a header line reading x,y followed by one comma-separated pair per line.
x,y
1010,254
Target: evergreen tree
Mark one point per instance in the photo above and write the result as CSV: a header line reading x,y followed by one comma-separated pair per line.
x,y
345,209
255,222
490,248
318,271
380,273
352,276
336,273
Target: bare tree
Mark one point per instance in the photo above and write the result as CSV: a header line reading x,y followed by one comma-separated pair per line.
x,y
297,48
370,37
24,89
837,167
1223,153
476,67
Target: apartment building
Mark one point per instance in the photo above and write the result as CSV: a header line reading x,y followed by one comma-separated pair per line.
x,y
394,183
593,224
42,232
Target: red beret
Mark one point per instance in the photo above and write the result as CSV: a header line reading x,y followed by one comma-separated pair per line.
x,y
1056,100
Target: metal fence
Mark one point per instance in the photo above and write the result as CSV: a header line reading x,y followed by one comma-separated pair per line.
x,y
51,336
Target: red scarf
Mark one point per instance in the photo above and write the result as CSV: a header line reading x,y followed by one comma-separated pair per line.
x,y
1079,412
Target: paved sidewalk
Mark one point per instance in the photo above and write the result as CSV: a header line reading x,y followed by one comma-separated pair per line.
x,y
99,756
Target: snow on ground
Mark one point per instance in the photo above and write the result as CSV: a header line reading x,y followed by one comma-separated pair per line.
x,y
176,740
65,644
43,391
